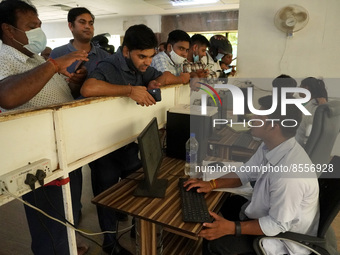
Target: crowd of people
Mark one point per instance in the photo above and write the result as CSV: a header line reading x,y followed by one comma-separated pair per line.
x,y
92,68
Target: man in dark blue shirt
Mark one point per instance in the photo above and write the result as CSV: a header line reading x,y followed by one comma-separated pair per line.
x,y
81,23
126,73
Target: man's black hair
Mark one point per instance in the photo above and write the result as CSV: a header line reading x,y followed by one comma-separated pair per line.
x,y
178,36
75,12
284,81
219,44
9,9
200,40
316,87
139,37
102,42
292,113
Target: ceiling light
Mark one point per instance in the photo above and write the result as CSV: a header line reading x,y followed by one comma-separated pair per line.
x,y
192,2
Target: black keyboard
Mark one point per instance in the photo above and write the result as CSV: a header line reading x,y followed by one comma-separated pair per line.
x,y
243,140
194,207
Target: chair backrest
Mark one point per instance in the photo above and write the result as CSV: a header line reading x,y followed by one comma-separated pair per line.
x,y
329,196
325,129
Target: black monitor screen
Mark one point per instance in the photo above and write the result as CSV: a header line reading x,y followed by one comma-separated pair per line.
x,y
151,156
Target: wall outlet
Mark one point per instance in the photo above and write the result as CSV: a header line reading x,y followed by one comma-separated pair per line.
x,y
15,181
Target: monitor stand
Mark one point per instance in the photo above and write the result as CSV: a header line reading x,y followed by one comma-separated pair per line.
x,y
157,189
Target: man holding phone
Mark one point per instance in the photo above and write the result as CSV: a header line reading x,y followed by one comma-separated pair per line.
x,y
226,68
81,23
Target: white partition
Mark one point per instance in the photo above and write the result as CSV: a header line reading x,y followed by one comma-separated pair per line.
x,y
91,129
74,134
26,137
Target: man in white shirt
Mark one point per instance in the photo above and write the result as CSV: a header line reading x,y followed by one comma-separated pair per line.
x,y
171,60
284,199
28,81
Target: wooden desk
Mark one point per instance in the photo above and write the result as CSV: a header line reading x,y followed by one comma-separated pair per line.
x,y
223,148
159,211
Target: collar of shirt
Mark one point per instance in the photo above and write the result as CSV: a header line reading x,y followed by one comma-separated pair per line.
x,y
19,55
171,62
122,60
275,155
71,48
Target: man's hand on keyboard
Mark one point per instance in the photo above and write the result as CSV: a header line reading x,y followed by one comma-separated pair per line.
x,y
220,227
201,186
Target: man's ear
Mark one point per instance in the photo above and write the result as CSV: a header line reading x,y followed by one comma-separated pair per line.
x,y
70,26
125,51
168,47
195,48
7,30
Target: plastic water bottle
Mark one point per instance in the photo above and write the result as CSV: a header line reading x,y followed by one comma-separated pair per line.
x,y
191,147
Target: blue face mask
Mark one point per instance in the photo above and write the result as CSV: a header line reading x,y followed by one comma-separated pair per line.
x,y
219,56
196,58
36,40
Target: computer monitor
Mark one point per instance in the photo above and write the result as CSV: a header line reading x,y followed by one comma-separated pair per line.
x,y
151,156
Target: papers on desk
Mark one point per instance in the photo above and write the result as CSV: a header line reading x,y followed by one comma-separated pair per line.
x,y
245,190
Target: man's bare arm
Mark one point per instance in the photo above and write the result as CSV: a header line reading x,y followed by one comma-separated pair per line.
x,y
168,78
18,89
93,87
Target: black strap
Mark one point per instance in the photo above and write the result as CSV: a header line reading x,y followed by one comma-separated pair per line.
x,y
237,229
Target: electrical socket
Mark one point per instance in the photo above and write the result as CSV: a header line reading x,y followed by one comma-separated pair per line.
x,y
15,180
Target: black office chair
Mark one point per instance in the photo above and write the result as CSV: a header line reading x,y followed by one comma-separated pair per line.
x,y
325,129
329,198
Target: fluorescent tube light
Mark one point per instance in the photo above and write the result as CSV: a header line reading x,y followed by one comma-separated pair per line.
x,y
192,2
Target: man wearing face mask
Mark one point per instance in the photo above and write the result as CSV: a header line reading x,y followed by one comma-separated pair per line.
x,y
220,56
28,81
197,51
126,73
171,60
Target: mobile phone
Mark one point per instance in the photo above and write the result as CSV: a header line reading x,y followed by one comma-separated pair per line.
x,y
156,94
226,71
79,64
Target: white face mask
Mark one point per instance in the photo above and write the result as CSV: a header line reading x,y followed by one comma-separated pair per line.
x,y
176,58
36,40
219,56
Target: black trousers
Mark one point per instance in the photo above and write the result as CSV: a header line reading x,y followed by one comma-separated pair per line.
x,y
106,172
49,236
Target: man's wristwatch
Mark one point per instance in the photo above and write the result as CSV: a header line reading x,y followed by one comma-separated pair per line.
x,y
237,229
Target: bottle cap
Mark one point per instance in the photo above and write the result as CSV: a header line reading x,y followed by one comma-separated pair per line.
x,y
192,135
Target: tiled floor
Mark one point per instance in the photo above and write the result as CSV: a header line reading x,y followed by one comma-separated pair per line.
x,y
15,238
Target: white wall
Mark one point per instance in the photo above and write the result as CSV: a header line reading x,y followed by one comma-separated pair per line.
x,y
114,26
266,52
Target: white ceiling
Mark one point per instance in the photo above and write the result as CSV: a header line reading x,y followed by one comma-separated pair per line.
x,y
55,10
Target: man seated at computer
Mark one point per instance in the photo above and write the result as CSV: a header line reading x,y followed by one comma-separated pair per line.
x,y
281,201
172,58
